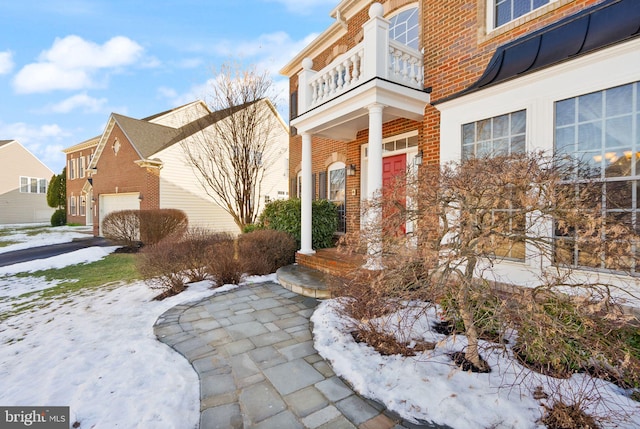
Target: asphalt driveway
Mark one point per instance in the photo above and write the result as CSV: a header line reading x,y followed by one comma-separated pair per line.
x,y
42,252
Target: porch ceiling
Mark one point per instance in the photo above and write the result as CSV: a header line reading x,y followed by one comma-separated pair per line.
x,y
342,117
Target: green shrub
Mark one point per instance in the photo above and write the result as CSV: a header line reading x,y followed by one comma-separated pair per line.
x,y
250,228
284,215
264,251
59,217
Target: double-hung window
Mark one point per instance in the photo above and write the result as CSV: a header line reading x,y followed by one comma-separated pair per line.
x,y
599,131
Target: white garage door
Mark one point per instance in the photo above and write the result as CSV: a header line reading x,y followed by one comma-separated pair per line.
x,y
115,202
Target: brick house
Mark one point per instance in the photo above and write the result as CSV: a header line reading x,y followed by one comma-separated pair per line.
x,y
401,84
141,164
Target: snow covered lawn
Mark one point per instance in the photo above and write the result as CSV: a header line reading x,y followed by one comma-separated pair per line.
x,y
94,351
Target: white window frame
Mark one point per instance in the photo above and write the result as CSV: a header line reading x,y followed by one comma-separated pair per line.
x,y
414,6
492,18
72,206
81,166
72,168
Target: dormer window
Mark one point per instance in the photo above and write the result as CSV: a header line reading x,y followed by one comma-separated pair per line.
x,y
405,28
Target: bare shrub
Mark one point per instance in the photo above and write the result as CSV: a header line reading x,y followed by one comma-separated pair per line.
x,y
223,265
563,416
192,250
158,224
123,227
264,251
161,268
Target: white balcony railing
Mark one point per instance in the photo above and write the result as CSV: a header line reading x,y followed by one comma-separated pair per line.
x,y
375,56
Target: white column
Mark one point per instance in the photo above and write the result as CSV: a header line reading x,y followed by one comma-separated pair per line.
x,y
374,187
306,197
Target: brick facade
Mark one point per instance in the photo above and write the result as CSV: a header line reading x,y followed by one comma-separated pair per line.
x,y
457,49
75,184
120,174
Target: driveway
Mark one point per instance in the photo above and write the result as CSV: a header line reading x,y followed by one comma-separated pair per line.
x,y
42,252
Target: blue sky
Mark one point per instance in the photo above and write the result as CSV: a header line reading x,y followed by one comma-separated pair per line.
x,y
65,65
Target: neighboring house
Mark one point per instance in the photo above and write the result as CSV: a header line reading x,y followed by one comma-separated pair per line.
x,y
80,201
403,84
23,185
140,164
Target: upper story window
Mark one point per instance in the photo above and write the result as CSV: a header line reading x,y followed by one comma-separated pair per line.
x,y
500,135
71,169
405,28
33,185
507,10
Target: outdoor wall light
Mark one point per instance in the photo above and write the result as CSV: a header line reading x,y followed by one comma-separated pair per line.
x,y
351,170
418,159
140,197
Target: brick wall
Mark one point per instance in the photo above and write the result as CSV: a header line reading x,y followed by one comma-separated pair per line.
x,y
117,173
457,50
74,186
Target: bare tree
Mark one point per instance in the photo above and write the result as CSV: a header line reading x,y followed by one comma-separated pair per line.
x,y
231,149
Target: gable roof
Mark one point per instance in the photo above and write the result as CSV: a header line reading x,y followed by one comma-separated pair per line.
x,y
146,137
600,26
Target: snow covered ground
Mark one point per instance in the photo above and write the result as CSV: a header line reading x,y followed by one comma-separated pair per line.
x,y
430,387
96,353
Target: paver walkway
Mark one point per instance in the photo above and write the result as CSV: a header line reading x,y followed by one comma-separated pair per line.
x,y
253,351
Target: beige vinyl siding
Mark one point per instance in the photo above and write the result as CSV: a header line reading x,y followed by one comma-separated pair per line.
x,y
180,189
17,207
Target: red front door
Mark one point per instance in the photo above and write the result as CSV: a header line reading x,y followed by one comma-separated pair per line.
x,y
394,169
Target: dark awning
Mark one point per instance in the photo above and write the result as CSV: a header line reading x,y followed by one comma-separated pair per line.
x,y
597,27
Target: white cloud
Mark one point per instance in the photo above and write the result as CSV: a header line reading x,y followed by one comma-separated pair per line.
x,y
44,141
78,101
6,62
72,62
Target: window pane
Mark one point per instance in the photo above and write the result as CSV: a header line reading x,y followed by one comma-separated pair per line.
x,y
619,100
565,140
518,144
412,141
503,13
24,184
590,136
618,132
468,133
565,112
500,126
467,152
336,184
484,130
500,147
401,144
34,186
618,195
590,107
520,7
518,122
43,186
616,164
